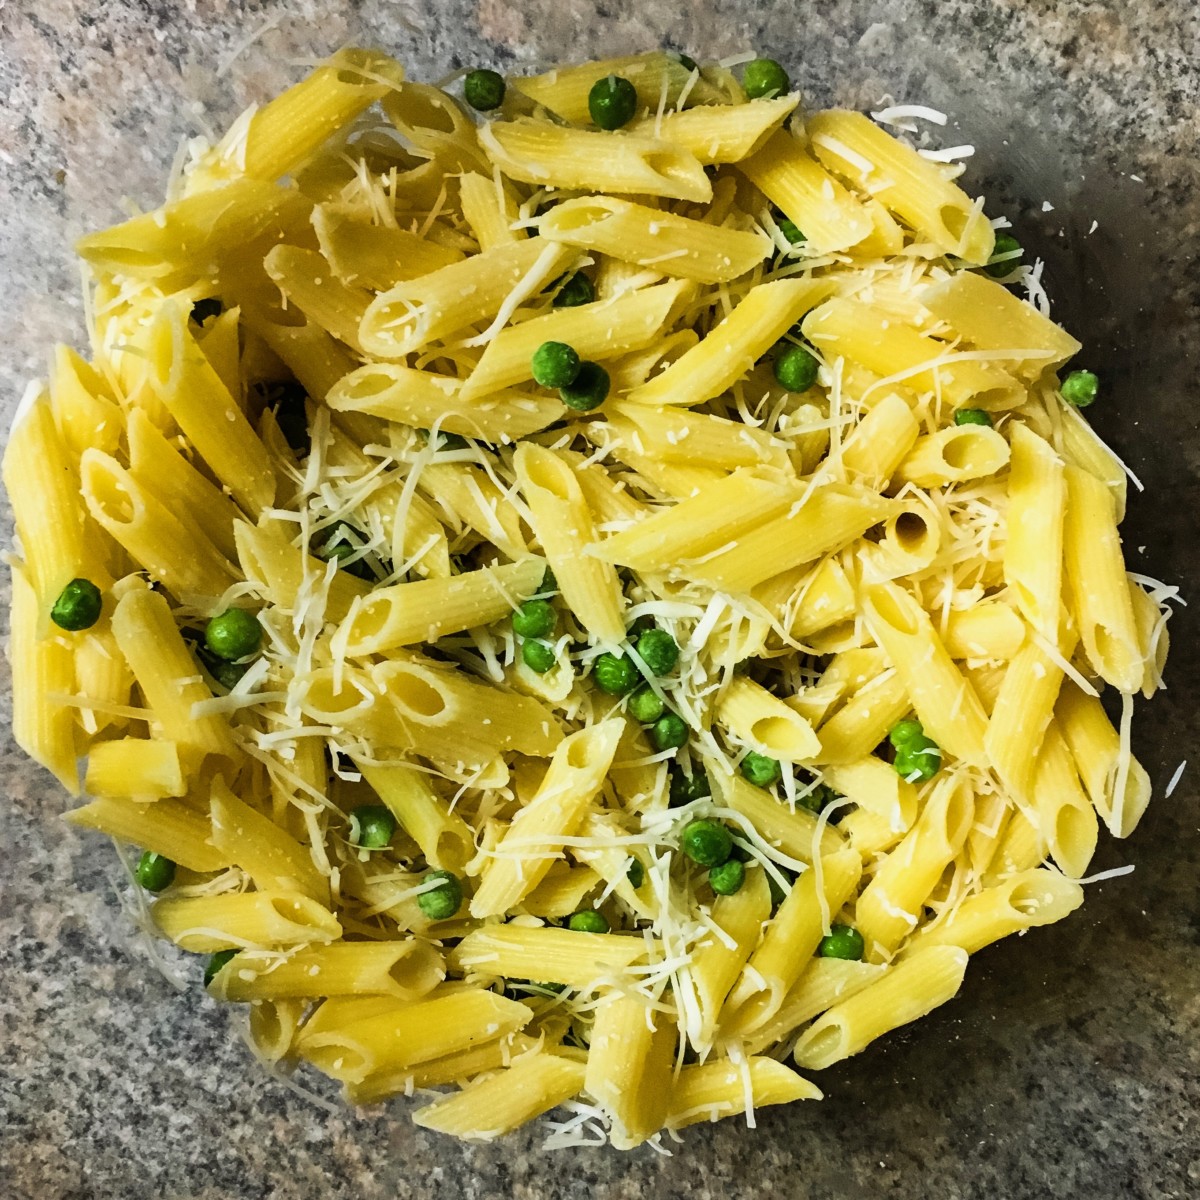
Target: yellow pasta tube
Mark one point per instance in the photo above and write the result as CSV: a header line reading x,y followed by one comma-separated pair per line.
x,y
1033,551
601,330
890,905
172,828
719,133
208,415
406,970
788,175
1082,446
906,992
316,359
1064,814
874,785
565,956
789,942
533,839
42,669
989,629
551,155
732,348
563,525
241,920
473,499
791,830
306,281
172,553
139,768
167,674
630,1056
648,237
83,404
945,702
490,209
990,317
561,892
444,837
488,1108
423,399
764,722
1099,592
682,436
102,677
954,455
864,721
273,1026
880,441
872,337
828,519
424,611
722,1088
403,1037
908,543
274,859
906,184
428,309
1023,901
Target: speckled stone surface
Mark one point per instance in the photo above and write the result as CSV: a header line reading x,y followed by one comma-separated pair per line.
x,y
1070,1064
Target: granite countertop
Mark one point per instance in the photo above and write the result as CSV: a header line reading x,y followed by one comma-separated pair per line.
x,y
1070,1063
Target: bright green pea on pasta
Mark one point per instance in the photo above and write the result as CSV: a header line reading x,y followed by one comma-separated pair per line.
x,y
538,656
588,921
706,843
483,89
669,732
790,230
443,901
216,963
972,416
727,877
764,78
534,619
646,706
233,634
372,826
795,368
612,102
588,390
554,365
78,606
635,873
1006,256
658,650
684,788
615,674
842,941
573,290
760,769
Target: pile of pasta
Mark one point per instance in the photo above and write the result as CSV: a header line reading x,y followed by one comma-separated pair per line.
x,y
326,331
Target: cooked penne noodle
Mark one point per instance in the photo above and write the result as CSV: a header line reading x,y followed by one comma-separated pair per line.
x,y
554,955
206,924
765,723
139,768
954,456
719,133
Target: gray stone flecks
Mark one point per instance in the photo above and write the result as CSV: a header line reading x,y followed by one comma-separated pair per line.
x,y
1070,1064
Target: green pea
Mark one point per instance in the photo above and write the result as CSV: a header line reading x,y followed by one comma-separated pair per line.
x,y
646,706
612,102
450,441
686,788
588,920
790,230
554,365
589,389
615,674
636,873
688,63
760,770
372,826
549,581
575,290
922,762
538,656
227,674
215,964
669,731
233,634
658,650
441,902
483,89
706,843
202,310
1080,388
843,941
727,877
972,416
154,872
534,619
1008,252
795,369
288,401
764,78
905,731
344,543
78,606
